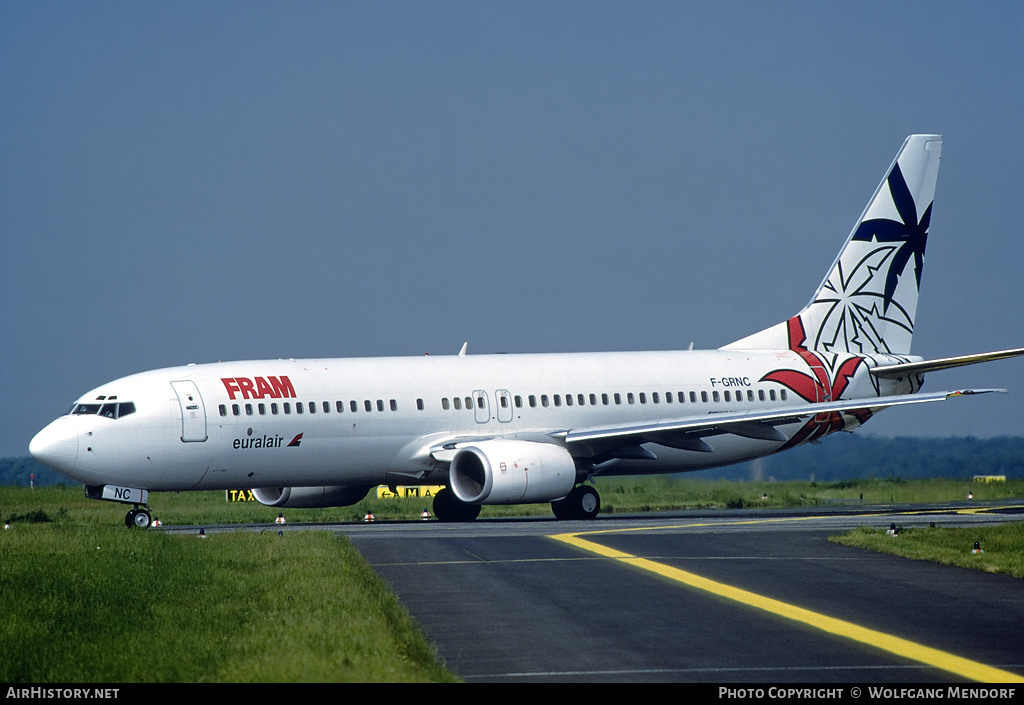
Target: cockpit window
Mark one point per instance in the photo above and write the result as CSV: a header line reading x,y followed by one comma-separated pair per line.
x,y
110,410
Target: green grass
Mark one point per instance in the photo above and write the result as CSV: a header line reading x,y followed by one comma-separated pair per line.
x,y
1002,546
618,495
695,492
85,602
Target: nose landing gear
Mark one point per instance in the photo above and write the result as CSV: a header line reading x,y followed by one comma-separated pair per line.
x,y
138,518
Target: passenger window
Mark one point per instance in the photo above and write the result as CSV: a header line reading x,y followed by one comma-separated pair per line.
x,y
519,402
394,405
760,394
340,406
273,408
533,401
629,398
593,400
604,399
262,408
223,410
355,407
618,399
703,397
312,407
235,410
728,397
771,394
368,405
444,403
568,399
544,400
287,408
419,405
782,394
380,405
693,397
558,400
458,403
327,407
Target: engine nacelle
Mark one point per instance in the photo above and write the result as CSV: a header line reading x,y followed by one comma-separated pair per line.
x,y
310,497
511,472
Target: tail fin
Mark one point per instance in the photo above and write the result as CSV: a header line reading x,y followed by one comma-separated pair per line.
x,y
868,301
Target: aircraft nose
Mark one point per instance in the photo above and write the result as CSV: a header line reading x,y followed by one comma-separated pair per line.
x,y
56,446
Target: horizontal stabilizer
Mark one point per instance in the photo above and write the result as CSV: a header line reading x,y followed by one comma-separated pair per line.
x,y
910,368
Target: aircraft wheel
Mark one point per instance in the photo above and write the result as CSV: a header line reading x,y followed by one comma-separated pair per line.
x,y
588,501
448,507
138,519
582,503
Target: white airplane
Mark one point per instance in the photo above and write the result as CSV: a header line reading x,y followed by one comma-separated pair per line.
x,y
510,429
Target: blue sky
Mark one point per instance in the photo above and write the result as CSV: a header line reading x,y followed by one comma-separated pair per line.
x,y
200,181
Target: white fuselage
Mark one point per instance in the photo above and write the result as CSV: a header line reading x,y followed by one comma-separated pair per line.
x,y
369,421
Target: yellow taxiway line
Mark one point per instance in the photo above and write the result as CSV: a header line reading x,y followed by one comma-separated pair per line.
x,y
871,637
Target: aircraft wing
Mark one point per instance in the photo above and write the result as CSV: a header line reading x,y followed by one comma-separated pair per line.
x,y
686,433
909,368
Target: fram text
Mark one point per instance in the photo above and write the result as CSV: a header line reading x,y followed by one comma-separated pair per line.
x,y
259,387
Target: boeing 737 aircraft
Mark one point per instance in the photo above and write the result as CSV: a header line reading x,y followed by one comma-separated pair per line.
x,y
510,429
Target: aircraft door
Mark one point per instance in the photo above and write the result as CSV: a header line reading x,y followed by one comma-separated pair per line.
x,y
193,412
818,374
504,401
481,409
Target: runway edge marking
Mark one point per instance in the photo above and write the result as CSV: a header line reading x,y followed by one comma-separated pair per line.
x,y
879,640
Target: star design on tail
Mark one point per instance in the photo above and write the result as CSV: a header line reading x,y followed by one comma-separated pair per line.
x,y
911,234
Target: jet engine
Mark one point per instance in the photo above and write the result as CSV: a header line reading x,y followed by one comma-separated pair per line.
x,y
511,472
309,497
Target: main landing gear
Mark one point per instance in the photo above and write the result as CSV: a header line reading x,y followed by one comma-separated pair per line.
x,y
448,507
582,503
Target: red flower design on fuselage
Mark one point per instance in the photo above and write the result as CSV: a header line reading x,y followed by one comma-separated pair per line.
x,y
816,387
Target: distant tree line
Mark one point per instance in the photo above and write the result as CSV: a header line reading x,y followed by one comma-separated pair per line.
x,y
847,456
20,471
841,456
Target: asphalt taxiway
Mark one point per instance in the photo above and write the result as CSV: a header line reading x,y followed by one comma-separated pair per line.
x,y
754,596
